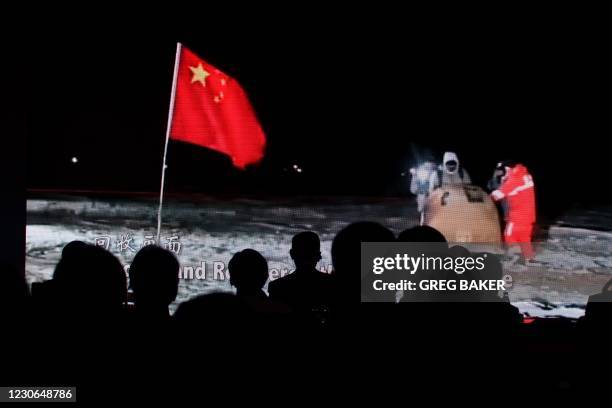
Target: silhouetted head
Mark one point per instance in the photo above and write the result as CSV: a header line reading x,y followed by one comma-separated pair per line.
x,y
74,248
90,278
248,271
458,251
305,250
421,233
71,254
154,277
346,248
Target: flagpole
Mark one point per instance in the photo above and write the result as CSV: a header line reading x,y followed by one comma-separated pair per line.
x,y
177,59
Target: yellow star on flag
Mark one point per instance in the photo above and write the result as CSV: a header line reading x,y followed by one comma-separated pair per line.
x,y
199,74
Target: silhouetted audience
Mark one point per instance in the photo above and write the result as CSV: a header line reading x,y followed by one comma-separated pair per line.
x,y
307,290
89,284
81,315
346,260
248,271
421,233
216,315
424,240
154,280
88,293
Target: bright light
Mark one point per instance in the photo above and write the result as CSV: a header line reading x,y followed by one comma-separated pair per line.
x,y
295,166
299,170
74,160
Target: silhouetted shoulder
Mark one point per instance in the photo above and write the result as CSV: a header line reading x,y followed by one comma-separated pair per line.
x,y
297,280
302,289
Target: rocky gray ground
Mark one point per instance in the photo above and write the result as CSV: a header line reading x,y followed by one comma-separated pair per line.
x,y
573,262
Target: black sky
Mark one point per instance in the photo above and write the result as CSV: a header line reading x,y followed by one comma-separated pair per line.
x,y
349,101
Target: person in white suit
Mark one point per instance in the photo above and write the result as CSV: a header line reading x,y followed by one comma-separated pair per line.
x,y
449,173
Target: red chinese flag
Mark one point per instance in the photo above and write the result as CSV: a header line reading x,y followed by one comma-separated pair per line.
x,y
212,110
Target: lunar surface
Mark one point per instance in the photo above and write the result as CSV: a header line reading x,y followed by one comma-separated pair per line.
x,y
573,258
